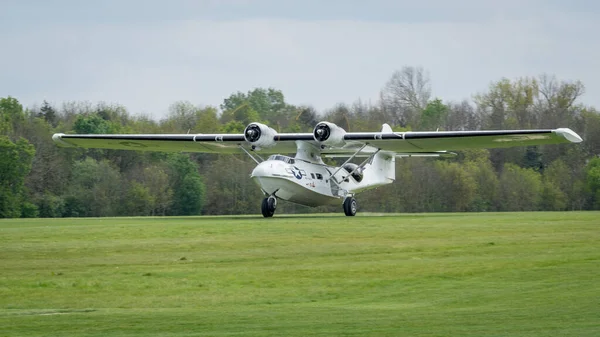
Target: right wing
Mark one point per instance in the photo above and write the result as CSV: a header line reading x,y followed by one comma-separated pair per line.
x,y
208,143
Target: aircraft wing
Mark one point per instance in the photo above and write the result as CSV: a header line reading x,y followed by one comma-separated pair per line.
x,y
407,142
207,143
349,142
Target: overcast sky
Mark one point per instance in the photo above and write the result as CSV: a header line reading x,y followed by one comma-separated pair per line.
x,y
147,55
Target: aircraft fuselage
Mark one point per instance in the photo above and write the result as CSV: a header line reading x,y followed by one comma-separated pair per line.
x,y
297,181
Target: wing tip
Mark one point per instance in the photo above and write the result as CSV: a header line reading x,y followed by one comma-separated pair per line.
x,y
57,139
569,135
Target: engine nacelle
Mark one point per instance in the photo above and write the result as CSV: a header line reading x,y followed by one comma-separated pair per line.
x,y
259,135
329,134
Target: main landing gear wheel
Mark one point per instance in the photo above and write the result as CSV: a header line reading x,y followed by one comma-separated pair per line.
x,y
268,206
350,206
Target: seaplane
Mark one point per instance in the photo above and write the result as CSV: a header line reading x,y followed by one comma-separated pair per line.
x,y
305,178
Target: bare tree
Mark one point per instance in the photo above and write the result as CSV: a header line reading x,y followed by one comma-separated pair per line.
x,y
406,94
183,116
560,93
558,99
462,116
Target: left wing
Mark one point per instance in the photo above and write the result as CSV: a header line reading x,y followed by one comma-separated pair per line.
x,y
460,140
327,138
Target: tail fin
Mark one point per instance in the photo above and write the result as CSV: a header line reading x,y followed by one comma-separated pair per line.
x,y
381,170
386,128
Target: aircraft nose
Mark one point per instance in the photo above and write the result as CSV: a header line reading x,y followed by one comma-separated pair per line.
x,y
261,170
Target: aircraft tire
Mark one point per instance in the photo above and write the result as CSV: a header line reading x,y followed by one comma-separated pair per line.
x,y
350,206
268,207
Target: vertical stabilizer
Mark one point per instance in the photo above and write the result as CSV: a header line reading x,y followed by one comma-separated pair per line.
x,y
383,167
381,170
386,128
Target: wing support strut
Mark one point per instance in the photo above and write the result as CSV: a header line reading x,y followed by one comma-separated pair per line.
x,y
252,156
349,159
362,165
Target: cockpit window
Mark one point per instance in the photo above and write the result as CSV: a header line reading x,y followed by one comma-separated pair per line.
x,y
282,158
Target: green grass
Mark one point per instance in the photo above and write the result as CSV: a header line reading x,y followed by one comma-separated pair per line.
x,y
501,274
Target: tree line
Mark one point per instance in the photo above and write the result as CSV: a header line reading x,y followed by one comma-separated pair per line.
x,y
39,179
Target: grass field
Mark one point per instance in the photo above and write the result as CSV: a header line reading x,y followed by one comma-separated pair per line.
x,y
501,274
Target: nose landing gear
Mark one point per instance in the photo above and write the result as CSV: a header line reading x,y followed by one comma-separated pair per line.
x,y
268,206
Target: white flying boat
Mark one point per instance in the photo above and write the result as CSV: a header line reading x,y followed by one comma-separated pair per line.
x,y
304,178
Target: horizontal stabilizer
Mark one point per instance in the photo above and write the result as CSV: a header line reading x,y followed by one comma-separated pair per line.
x,y
399,155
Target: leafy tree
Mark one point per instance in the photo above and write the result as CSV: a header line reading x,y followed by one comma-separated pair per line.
x,y
15,164
233,127
188,188
116,114
559,186
234,101
48,113
207,121
433,116
478,165
139,200
51,169
457,187
29,210
307,118
416,186
593,182
590,120
96,189
257,105
552,198
520,189
533,158
231,193
50,205
509,104
244,114
106,120
93,124
11,115
145,124
269,103
158,194
189,198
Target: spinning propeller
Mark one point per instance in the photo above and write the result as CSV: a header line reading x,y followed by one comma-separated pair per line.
x,y
322,132
252,133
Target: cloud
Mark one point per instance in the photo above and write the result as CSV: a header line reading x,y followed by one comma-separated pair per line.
x,y
148,65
